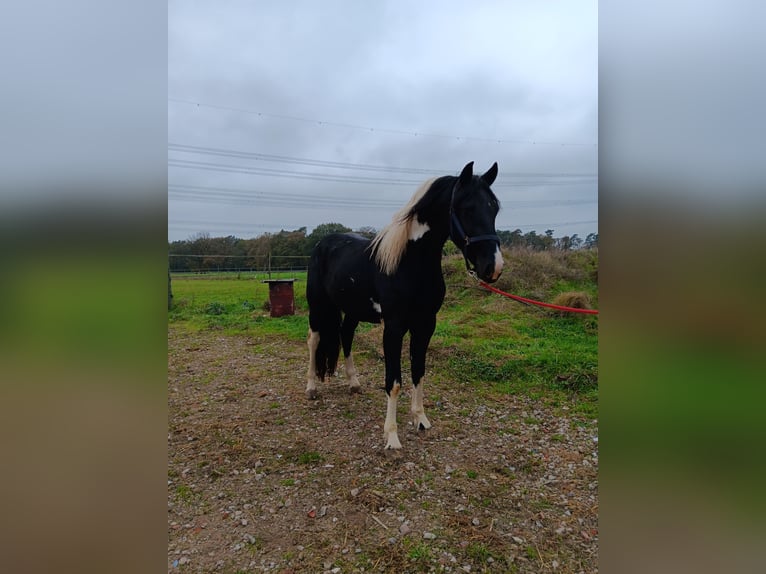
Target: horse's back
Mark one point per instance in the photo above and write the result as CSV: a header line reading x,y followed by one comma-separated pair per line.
x,y
341,268
338,253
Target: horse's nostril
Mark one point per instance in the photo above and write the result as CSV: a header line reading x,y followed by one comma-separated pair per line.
x,y
489,271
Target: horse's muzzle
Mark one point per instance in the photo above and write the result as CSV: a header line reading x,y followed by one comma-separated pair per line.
x,y
491,270
489,274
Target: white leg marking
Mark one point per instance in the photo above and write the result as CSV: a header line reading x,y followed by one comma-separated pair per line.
x,y
353,381
417,230
498,264
389,428
418,414
376,306
311,386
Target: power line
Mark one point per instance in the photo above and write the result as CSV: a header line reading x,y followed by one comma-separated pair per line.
x,y
227,224
289,196
292,198
295,160
345,165
235,201
560,224
269,172
375,129
252,197
197,225
203,256
209,166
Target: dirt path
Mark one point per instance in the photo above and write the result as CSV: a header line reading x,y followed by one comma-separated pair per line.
x,y
261,479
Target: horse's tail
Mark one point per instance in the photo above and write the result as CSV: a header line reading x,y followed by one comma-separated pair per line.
x,y
324,316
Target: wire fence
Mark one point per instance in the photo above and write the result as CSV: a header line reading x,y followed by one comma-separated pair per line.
x,y
242,266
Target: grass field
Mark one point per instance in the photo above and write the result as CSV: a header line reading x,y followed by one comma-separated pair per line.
x,y
482,338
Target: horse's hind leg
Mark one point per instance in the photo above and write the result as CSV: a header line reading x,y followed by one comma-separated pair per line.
x,y
311,385
347,338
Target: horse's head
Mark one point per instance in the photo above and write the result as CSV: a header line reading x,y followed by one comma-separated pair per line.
x,y
472,222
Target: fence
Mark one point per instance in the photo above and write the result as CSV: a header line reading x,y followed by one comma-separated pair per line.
x,y
270,266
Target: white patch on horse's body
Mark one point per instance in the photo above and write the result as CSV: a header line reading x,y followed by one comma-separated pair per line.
x,y
419,418
376,306
498,264
418,229
352,279
311,385
353,381
389,245
390,428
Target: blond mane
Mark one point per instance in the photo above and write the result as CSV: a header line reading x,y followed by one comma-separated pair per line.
x,y
390,243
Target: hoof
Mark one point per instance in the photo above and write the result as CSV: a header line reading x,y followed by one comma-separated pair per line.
x,y
354,389
393,442
421,423
312,395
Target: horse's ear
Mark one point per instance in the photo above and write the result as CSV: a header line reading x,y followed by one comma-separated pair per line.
x,y
491,174
466,174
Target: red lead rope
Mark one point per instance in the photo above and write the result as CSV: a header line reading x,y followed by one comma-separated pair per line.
x,y
539,303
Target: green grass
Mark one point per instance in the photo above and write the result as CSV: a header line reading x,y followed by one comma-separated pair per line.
x,y
482,340
419,552
309,457
235,306
184,492
478,552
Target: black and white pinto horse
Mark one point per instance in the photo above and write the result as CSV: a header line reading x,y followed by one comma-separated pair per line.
x,y
397,279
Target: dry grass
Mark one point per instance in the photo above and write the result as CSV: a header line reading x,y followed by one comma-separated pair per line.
x,y
573,299
534,272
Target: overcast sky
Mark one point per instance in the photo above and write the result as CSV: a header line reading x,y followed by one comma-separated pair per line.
x,y
290,114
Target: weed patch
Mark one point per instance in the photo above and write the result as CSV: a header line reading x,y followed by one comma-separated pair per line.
x,y
309,458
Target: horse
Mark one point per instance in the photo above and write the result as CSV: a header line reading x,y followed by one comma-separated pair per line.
x,y
396,278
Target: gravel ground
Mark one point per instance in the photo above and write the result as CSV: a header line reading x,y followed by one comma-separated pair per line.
x,y
260,479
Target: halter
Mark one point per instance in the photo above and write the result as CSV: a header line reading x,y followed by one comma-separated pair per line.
x,y
455,226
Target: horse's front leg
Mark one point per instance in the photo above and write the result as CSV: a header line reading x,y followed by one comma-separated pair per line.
x,y
393,335
420,337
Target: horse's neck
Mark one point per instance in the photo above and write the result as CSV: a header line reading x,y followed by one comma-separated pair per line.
x,y
438,222
432,242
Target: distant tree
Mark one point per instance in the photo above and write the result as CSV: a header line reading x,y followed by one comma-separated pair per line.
x,y
258,250
515,238
591,241
548,241
323,230
534,241
505,237
200,244
178,249
287,243
563,243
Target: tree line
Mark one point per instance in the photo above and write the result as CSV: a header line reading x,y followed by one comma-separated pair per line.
x,y
290,249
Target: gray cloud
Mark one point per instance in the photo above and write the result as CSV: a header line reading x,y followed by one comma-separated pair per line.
x,y
459,76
